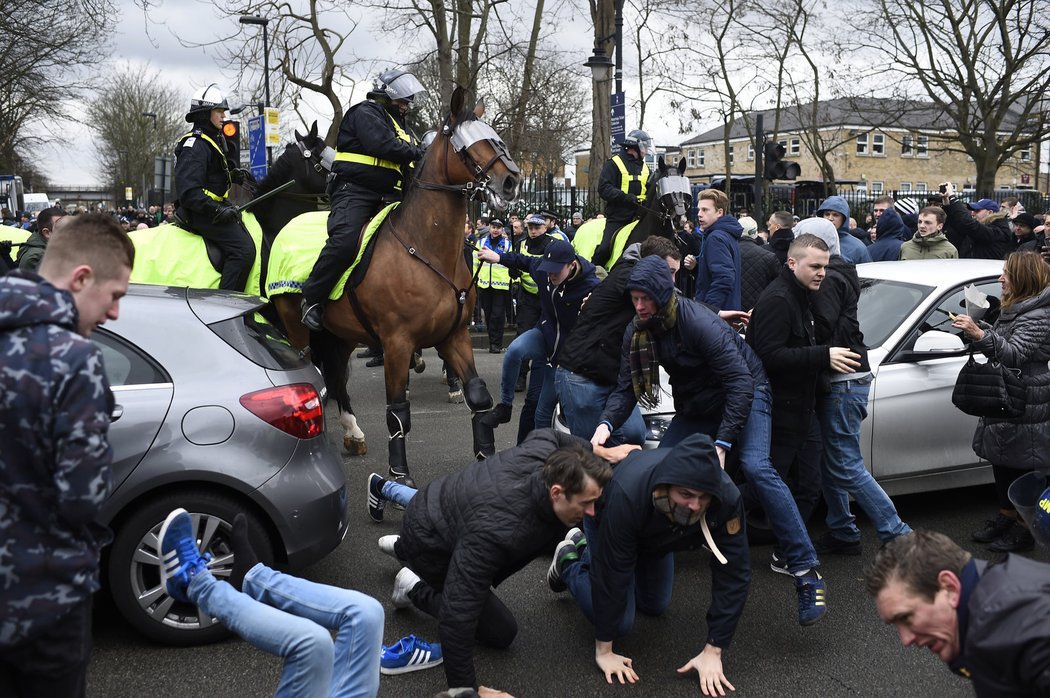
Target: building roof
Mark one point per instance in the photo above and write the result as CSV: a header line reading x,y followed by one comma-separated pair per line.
x,y
855,112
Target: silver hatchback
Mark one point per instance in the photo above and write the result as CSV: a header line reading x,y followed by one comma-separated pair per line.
x,y
216,413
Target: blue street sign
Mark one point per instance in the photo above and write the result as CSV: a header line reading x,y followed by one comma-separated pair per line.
x,y
257,147
619,132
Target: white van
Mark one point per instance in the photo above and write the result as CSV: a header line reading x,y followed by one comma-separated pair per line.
x,y
35,203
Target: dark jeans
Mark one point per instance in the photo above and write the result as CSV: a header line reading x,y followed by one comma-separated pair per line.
x,y
238,250
796,454
496,625
1004,476
53,663
352,208
493,303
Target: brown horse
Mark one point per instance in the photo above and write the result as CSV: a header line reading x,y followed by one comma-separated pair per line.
x,y
418,290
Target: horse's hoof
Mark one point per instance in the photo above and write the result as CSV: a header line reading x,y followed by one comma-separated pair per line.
x,y
455,397
355,447
419,364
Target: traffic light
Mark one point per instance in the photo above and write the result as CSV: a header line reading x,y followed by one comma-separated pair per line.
x,y
775,166
231,131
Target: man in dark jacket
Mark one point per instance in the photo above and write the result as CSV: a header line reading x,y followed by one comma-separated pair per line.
x,y
55,406
836,210
622,184
1025,239
467,532
758,265
204,171
718,264
988,622
590,362
780,236
890,234
566,280
375,151
979,230
659,502
32,250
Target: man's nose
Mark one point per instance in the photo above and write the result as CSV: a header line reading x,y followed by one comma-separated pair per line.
x,y
907,636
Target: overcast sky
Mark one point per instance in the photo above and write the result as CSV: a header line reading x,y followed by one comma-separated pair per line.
x,y
155,45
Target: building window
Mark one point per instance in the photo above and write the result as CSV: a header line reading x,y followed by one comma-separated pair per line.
x,y
878,144
691,158
1025,154
750,151
796,146
920,187
906,146
876,187
905,187
700,158
862,144
922,146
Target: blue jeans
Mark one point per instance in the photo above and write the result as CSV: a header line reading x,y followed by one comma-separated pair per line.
x,y
648,591
582,401
527,346
774,495
398,493
844,472
292,617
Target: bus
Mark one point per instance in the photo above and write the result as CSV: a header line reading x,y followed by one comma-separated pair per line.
x,y
12,195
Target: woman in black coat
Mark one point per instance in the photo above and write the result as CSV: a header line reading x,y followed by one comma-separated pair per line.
x,y
1020,339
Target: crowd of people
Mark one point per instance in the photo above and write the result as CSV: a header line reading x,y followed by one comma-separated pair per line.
x,y
768,371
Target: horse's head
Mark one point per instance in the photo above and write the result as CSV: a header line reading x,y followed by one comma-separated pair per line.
x,y
316,155
673,192
307,161
483,165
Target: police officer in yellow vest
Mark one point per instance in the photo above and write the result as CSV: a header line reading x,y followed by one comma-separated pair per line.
x,y
494,284
203,175
622,184
374,152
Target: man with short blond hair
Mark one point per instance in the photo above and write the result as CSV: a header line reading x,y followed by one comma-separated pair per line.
x,y
718,264
55,406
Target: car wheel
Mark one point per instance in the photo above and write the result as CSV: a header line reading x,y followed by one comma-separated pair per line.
x,y
134,564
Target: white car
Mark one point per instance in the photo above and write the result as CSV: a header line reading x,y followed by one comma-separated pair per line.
x,y
914,439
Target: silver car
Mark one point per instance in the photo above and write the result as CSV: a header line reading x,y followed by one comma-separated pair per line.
x,y
914,439
216,413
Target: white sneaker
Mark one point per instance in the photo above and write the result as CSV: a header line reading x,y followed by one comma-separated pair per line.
x,y
404,582
386,544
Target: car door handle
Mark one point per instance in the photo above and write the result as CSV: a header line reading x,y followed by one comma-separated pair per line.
x,y
117,413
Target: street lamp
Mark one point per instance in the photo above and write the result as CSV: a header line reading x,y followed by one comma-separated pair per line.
x,y
262,22
148,115
151,115
601,65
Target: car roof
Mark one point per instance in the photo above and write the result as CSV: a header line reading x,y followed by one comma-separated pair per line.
x,y
936,272
207,304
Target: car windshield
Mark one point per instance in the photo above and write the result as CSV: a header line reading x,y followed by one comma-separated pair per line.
x,y
259,342
884,305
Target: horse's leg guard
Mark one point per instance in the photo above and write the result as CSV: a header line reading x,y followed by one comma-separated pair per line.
x,y
398,424
479,401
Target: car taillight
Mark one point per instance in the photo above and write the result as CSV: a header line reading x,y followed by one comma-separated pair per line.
x,y
294,409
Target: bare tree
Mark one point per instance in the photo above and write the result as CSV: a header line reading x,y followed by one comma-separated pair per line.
x,y
126,141
983,63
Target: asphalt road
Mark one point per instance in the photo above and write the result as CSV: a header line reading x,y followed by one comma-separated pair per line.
x,y
849,653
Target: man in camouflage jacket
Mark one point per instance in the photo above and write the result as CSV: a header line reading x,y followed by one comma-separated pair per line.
x,y
55,406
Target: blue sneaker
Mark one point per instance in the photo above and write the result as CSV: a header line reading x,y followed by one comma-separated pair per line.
x,y
181,561
409,654
812,598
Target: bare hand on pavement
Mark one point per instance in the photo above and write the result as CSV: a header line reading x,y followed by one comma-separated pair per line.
x,y
486,692
708,664
615,665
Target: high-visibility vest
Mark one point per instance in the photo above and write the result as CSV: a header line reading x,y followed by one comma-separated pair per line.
x,y
492,275
627,179
372,161
229,182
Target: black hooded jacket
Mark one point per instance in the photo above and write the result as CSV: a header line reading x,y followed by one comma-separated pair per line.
x,y
835,311
200,166
470,530
631,532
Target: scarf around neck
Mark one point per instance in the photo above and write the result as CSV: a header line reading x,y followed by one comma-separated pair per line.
x,y
645,366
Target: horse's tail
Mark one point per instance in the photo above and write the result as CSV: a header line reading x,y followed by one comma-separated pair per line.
x,y
332,356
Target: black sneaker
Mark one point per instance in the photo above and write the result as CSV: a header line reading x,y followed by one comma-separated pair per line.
x,y
812,598
779,564
994,529
1017,540
376,501
500,414
313,315
567,551
828,544
376,360
366,354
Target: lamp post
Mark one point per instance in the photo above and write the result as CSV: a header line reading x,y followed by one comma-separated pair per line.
x,y
148,115
263,22
602,69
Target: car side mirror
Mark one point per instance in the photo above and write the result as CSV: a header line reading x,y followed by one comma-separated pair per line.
x,y
937,342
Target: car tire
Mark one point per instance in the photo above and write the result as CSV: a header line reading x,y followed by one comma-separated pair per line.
x,y
134,564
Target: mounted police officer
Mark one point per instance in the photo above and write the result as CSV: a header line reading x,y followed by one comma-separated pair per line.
x,y
622,184
375,151
204,171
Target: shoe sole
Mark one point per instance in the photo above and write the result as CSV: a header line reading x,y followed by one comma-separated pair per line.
x,y
780,570
554,580
165,575
375,504
389,552
410,668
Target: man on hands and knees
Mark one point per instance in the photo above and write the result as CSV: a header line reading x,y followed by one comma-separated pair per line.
x,y
988,622
658,502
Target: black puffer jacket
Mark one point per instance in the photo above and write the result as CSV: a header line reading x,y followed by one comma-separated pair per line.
x,y
1020,339
632,532
758,267
991,239
470,530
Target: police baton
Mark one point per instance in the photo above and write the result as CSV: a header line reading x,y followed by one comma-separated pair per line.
x,y
267,195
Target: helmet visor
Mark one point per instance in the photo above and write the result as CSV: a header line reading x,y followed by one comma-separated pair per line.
x,y
404,86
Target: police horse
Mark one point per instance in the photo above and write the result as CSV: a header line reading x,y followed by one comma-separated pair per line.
x,y
417,290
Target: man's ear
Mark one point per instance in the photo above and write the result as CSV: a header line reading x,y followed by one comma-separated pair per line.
x,y
949,582
79,278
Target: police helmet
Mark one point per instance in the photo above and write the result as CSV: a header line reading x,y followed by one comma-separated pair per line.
x,y
640,140
203,102
1030,494
398,84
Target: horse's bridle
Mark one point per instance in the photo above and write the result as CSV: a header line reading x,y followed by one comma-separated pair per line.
x,y
321,161
460,138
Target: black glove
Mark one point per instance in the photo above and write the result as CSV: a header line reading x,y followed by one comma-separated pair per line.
x,y
243,177
420,152
227,214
